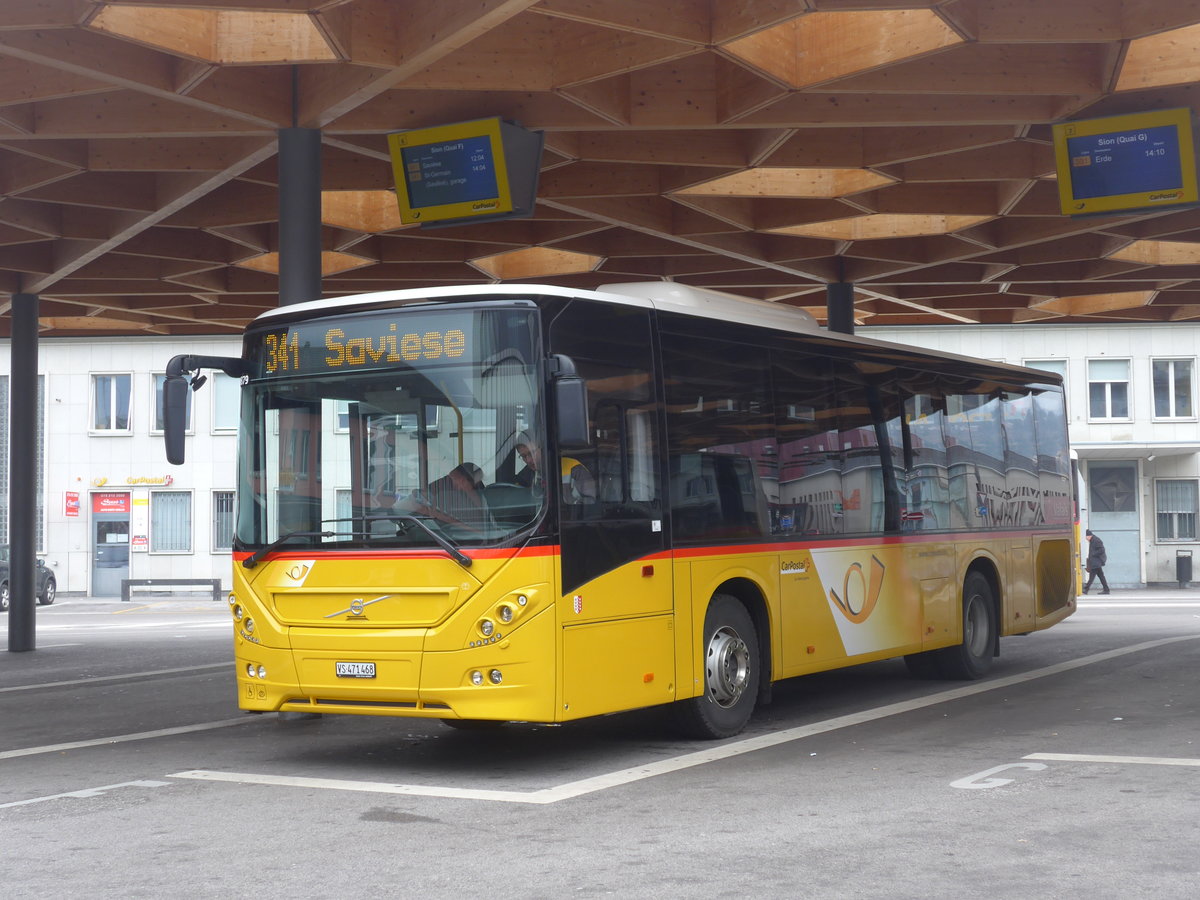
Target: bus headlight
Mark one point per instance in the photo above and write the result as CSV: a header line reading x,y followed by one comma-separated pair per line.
x,y
486,627
505,614
237,612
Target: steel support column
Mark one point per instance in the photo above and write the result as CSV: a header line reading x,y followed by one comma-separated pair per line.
x,y
299,215
22,474
839,307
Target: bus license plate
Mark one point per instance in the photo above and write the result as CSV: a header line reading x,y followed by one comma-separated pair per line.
x,y
355,670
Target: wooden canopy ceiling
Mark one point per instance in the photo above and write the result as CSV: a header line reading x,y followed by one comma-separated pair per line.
x,y
759,147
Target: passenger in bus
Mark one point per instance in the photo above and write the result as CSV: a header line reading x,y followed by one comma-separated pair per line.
x,y
455,499
578,483
531,456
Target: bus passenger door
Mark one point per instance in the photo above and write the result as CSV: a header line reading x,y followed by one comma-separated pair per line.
x,y
618,627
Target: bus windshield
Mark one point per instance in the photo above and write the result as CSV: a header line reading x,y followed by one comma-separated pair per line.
x,y
393,429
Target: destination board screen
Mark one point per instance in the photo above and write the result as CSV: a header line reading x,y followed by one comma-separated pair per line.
x,y
1127,162
1130,163
477,171
450,172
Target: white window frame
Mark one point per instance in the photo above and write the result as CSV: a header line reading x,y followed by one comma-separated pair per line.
x,y
1128,382
154,410
217,427
1157,416
191,525
93,428
1158,538
214,546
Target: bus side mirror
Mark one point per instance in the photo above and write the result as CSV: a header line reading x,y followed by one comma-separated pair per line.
x,y
175,391
571,412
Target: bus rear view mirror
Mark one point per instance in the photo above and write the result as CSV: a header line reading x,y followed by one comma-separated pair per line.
x,y
571,411
175,395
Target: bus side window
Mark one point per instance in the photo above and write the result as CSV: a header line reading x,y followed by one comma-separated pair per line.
x,y
722,448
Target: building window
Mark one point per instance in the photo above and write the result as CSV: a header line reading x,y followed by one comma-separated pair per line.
x,y
170,522
1176,502
1172,388
223,520
227,395
1057,366
110,403
1108,389
158,405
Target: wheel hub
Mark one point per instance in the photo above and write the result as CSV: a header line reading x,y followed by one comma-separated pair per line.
x,y
727,667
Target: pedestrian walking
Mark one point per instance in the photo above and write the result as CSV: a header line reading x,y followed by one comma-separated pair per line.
x,y
1097,559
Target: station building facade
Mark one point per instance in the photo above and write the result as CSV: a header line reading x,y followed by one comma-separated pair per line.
x,y
1132,406
110,507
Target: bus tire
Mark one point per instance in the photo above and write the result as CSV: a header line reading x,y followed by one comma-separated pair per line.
x,y
973,657
732,665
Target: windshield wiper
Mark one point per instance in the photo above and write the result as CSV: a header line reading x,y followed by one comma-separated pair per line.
x,y
461,558
457,555
252,560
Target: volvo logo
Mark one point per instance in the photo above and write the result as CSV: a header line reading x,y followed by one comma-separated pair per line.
x,y
356,607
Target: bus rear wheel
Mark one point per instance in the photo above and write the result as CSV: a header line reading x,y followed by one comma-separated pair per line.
x,y
732,666
973,657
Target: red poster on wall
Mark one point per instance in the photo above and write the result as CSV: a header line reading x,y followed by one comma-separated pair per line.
x,y
110,502
71,504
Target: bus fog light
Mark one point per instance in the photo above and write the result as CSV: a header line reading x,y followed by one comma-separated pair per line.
x,y
476,678
505,613
250,670
495,676
486,627
262,671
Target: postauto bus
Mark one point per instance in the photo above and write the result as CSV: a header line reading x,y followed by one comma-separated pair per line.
x,y
529,503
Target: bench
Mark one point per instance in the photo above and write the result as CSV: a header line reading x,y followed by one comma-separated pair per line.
x,y
127,584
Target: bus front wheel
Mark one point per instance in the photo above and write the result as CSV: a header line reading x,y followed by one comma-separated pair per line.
x,y
973,657
731,673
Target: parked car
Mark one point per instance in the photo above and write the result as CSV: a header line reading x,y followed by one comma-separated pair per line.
x,y
47,586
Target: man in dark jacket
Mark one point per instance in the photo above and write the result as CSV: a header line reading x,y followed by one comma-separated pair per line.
x,y
1097,559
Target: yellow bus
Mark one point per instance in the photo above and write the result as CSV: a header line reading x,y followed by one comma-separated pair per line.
x,y
529,503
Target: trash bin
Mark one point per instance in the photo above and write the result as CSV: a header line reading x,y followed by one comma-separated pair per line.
x,y
1183,567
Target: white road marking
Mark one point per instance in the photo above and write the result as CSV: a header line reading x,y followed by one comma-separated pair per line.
x,y
100,678
126,738
687,760
87,792
984,780
1119,760
1140,604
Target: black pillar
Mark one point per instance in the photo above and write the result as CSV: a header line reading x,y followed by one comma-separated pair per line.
x,y
839,306
22,473
299,215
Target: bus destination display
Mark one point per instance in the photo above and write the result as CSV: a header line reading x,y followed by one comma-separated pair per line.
x,y
1126,163
361,343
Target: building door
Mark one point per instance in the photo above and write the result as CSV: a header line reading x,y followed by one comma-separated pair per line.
x,y
1113,516
110,542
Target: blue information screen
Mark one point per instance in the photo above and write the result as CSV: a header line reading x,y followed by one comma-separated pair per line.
x,y
1125,162
459,171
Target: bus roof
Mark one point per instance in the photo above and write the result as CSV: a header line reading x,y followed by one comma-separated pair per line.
x,y
660,295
